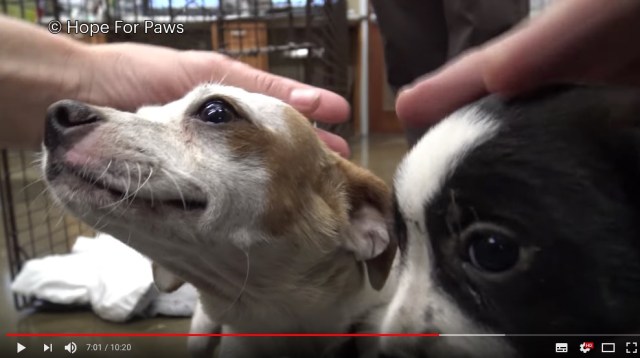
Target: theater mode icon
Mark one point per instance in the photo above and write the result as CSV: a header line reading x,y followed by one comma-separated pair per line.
x,y
586,347
608,348
562,347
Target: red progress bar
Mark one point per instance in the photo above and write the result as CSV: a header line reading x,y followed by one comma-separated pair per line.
x,y
223,334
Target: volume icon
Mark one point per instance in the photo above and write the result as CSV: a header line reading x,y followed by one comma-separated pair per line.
x,y
71,347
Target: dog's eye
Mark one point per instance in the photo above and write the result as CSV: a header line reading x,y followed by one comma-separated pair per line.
x,y
216,111
492,251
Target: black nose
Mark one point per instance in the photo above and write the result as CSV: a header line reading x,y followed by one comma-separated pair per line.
x,y
64,117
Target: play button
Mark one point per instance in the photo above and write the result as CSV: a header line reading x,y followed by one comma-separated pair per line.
x,y
21,347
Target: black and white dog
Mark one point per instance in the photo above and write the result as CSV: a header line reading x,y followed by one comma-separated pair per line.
x,y
519,217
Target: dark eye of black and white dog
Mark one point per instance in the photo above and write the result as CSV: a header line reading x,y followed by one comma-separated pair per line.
x,y
490,250
216,111
522,217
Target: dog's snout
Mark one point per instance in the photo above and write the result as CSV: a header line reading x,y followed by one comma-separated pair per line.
x,y
68,114
64,116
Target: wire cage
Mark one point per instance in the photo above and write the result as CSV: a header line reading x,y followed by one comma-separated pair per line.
x,y
306,40
33,226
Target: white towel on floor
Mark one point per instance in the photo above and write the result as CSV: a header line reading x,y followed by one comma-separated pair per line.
x,y
116,280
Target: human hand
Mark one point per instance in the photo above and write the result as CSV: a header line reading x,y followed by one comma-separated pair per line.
x,y
127,76
591,41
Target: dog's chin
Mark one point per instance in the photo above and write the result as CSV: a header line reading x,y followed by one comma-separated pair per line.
x,y
87,197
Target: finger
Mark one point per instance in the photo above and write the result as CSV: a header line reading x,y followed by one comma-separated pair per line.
x,y
573,39
315,103
334,142
556,46
431,99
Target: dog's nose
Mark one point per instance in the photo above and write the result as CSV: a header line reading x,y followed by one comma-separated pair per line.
x,y
66,116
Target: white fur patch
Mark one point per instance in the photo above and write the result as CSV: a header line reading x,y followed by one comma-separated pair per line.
x,y
419,305
433,159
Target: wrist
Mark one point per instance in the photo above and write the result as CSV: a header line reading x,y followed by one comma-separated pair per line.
x,y
36,69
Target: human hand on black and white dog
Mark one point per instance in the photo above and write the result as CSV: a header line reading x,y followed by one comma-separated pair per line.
x,y
585,41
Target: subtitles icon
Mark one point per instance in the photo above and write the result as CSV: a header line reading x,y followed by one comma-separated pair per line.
x,y
631,347
608,348
562,347
585,347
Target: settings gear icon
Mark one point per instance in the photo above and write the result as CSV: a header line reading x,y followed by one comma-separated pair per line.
x,y
586,347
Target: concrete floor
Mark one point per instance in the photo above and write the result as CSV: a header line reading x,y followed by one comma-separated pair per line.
x,y
380,153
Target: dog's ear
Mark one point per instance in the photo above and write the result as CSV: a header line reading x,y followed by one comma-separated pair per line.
x,y
165,280
370,203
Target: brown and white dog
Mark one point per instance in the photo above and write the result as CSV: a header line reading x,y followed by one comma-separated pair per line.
x,y
233,192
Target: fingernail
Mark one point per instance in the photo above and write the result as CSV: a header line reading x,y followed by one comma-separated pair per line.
x,y
304,100
408,87
405,89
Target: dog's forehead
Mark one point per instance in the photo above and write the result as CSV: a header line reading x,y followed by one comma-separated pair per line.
x,y
423,172
264,110
249,99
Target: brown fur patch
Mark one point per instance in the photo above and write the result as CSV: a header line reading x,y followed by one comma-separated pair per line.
x,y
312,190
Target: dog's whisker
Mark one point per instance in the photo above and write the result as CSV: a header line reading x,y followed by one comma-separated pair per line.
x,y
140,186
139,177
100,220
50,208
37,181
190,178
99,229
133,195
128,187
151,193
184,203
244,284
224,77
38,160
84,167
116,203
37,197
106,169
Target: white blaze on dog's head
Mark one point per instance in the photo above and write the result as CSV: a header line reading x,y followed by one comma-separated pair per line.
x,y
218,181
420,305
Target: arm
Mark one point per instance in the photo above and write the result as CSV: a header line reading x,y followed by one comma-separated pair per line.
x,y
37,69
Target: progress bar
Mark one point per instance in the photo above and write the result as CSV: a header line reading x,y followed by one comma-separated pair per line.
x,y
574,335
472,335
223,334
537,335
315,335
